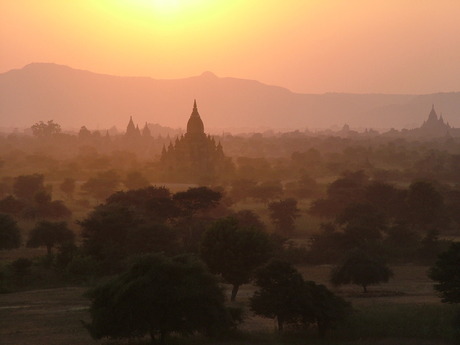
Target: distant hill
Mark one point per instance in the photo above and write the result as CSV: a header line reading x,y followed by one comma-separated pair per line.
x,y
42,91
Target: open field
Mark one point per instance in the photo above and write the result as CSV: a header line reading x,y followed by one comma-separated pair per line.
x,y
404,311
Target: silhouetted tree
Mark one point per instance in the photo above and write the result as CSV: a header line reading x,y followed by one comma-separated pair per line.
x,y
11,205
26,186
135,180
283,214
234,251
10,236
84,133
42,129
158,296
197,199
21,268
360,269
154,203
116,230
446,272
101,186
362,223
281,289
249,219
49,234
284,295
348,189
425,205
44,208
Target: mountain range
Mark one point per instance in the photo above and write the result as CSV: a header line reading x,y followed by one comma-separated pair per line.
x,y
73,98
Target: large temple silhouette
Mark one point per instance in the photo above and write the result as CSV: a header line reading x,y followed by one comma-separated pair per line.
x,y
194,157
434,126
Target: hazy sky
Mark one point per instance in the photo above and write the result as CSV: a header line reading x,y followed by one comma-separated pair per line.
x,y
360,46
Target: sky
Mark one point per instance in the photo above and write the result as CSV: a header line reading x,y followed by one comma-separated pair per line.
x,y
308,46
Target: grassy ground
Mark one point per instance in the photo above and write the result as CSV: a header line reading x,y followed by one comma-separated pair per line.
x,y
404,312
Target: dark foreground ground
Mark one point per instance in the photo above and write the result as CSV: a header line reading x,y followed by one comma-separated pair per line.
x,y
53,316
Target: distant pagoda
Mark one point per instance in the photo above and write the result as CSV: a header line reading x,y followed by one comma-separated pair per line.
x,y
194,157
434,126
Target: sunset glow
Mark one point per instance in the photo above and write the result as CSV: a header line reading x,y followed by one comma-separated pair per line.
x,y
306,46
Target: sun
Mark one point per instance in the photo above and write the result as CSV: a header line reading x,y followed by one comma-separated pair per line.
x,y
166,7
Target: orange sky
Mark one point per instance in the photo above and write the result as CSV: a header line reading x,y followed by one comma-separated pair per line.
x,y
361,46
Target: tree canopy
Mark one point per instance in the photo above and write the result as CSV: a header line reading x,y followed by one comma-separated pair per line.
x,y
361,269
158,296
42,129
283,214
10,236
446,272
234,251
284,295
49,234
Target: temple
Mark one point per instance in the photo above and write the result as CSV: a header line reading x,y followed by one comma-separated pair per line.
x,y
194,157
434,126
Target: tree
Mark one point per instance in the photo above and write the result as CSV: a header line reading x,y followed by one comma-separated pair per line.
x,y
446,272
26,186
49,234
425,205
283,214
68,186
196,199
154,203
284,295
10,236
158,296
360,269
234,251
102,185
42,129
116,230
135,180
362,223
281,288
249,219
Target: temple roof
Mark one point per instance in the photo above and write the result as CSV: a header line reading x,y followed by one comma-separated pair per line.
x,y
194,124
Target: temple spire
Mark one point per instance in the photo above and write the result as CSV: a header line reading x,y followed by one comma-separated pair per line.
x,y
195,124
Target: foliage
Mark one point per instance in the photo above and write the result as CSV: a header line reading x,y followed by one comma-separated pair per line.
x,y
115,230
361,269
11,205
446,272
425,205
26,186
362,223
283,214
135,180
43,207
234,251
49,234
48,129
197,199
249,219
10,236
21,268
102,185
158,296
280,294
284,294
